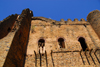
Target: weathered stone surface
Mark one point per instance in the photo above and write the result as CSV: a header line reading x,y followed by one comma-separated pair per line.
x,y
6,25
51,34
94,19
5,44
70,31
17,51
20,48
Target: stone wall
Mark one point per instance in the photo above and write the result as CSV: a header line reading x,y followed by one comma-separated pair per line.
x,y
23,50
17,51
69,30
5,44
94,19
6,25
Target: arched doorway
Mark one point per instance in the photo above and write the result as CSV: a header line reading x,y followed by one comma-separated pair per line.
x,y
61,43
83,43
41,45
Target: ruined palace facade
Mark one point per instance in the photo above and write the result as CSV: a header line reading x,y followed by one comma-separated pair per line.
x,y
28,41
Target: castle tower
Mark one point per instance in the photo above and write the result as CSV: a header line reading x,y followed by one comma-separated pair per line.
x,y
94,19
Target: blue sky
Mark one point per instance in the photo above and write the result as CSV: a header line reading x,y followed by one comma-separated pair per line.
x,y
54,9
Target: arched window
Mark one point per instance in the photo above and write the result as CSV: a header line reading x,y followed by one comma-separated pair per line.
x,y
83,43
41,42
41,45
61,43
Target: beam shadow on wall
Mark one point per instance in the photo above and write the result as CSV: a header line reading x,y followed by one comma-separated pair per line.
x,y
85,54
97,50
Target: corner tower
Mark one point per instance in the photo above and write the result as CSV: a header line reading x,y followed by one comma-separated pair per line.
x,y
94,19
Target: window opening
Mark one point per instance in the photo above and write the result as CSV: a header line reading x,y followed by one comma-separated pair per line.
x,y
83,43
61,43
41,45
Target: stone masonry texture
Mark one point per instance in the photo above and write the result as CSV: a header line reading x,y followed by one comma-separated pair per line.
x,y
94,19
28,41
6,25
16,54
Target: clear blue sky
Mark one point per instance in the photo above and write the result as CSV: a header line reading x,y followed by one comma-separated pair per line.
x,y
54,9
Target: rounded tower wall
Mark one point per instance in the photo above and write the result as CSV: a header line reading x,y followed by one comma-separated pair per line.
x,y
94,19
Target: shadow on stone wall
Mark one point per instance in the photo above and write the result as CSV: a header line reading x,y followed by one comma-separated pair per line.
x,y
17,51
6,25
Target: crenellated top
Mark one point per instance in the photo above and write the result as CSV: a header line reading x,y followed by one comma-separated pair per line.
x,y
69,20
82,19
62,20
47,21
76,20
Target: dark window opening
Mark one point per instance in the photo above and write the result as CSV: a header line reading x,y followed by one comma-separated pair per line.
x,y
41,45
83,43
53,23
41,42
61,43
9,30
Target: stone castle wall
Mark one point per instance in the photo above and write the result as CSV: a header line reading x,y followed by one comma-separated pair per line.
x,y
19,41
70,31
